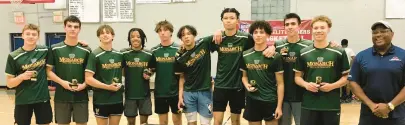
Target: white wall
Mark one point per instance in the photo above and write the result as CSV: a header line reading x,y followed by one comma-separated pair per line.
x,y
204,15
352,19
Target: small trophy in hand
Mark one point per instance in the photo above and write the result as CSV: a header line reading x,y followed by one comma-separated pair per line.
x,y
116,80
34,76
284,51
181,110
74,84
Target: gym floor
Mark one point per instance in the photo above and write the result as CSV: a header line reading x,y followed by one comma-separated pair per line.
x,y
349,115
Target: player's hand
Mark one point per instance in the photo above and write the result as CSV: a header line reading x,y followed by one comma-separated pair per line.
x,y
382,110
26,75
250,88
80,87
114,87
312,87
326,87
218,37
66,85
335,44
269,51
180,104
83,43
278,113
146,76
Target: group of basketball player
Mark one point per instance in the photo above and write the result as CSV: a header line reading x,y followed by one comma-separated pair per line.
x,y
272,82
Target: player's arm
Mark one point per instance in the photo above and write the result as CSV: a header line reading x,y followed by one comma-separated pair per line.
x,y
298,78
279,71
11,71
52,76
245,79
345,69
97,84
180,104
15,81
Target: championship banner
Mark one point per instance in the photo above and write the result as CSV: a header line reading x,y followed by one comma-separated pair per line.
x,y
278,29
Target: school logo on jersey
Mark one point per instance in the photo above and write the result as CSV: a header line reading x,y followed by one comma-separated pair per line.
x,y
71,59
257,61
320,59
291,54
165,58
34,64
136,59
111,64
136,63
166,54
192,54
320,63
33,60
72,55
230,44
195,57
395,59
290,58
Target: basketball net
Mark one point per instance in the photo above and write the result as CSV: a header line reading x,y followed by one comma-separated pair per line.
x,y
16,4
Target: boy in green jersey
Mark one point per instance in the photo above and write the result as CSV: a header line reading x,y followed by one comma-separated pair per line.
x,y
263,79
137,94
103,72
321,70
69,59
194,67
166,82
26,72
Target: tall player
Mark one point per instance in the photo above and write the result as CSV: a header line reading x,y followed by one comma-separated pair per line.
x,y
69,59
228,84
166,82
289,49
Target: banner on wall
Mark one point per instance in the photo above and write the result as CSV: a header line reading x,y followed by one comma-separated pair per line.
x,y
278,29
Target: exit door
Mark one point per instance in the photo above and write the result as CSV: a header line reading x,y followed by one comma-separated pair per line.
x,y
16,41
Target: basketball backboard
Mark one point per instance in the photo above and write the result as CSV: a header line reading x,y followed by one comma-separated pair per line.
x,y
28,1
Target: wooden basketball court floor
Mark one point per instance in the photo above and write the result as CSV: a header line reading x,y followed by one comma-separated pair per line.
x,y
349,113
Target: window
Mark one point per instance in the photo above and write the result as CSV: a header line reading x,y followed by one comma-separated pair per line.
x,y
269,9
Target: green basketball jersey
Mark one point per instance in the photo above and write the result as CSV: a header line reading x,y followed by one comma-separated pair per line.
x,y
163,59
328,64
261,73
106,66
69,63
229,53
292,92
195,64
19,61
135,62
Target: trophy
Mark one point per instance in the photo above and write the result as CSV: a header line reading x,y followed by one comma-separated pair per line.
x,y
116,80
253,83
284,51
318,80
181,110
147,72
34,76
74,84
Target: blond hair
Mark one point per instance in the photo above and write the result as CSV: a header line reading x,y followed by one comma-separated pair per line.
x,y
322,18
31,27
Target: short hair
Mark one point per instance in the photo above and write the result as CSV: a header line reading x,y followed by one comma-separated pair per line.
x,y
292,15
108,28
344,42
73,19
31,27
141,33
260,24
164,24
230,10
189,27
322,18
